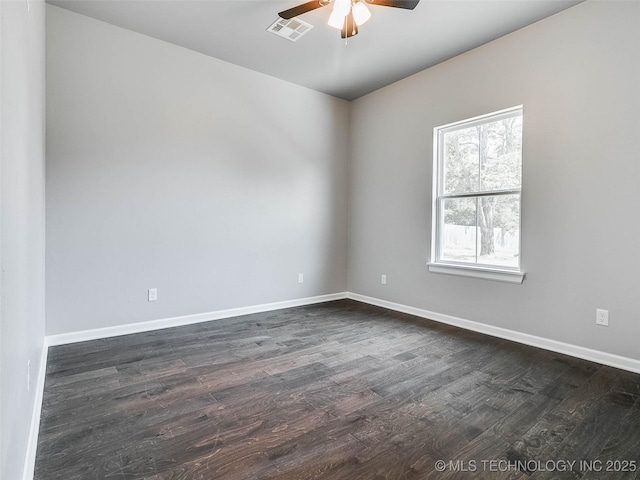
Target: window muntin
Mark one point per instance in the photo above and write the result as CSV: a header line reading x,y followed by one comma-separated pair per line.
x,y
478,164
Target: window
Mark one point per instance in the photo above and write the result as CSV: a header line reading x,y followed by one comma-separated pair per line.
x,y
477,187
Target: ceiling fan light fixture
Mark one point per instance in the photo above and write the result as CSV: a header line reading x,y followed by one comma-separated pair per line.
x,y
336,20
347,15
360,13
341,7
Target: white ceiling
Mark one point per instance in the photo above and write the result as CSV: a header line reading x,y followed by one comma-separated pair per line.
x,y
395,43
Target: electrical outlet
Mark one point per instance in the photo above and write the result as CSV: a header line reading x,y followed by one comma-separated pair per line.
x,y
602,317
29,374
300,278
153,294
383,279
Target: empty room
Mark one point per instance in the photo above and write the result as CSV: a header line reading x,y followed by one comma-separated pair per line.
x,y
334,239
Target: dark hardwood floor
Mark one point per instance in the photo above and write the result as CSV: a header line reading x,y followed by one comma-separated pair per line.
x,y
340,390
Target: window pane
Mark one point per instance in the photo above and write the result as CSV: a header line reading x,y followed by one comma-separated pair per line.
x,y
461,160
458,236
499,230
501,154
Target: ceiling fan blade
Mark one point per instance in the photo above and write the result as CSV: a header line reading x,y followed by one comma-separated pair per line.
x,y
303,8
350,28
406,4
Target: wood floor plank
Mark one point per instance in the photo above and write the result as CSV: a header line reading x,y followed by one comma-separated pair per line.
x,y
621,450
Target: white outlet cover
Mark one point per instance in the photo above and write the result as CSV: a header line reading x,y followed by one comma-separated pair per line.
x,y
602,317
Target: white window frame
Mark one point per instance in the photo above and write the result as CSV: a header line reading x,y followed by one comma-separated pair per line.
x,y
501,274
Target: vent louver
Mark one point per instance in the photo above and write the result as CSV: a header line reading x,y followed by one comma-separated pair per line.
x,y
291,29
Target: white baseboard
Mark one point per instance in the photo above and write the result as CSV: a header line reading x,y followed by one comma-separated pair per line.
x,y
597,356
97,333
32,442
604,358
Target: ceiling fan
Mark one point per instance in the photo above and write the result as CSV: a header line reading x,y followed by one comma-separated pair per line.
x,y
347,15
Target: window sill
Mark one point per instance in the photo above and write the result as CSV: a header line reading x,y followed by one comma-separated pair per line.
x,y
507,276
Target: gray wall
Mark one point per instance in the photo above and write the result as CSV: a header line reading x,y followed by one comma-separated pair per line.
x,y
218,185
170,169
577,75
21,223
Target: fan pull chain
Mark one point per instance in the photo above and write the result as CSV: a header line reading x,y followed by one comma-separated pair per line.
x,y
346,25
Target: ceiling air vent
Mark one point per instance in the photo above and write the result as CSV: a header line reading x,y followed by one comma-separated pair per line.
x,y
291,29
